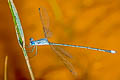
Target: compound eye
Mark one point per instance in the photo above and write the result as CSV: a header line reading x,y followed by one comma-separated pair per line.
x,y
31,39
32,43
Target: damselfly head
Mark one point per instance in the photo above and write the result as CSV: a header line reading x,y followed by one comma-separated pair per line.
x,y
31,39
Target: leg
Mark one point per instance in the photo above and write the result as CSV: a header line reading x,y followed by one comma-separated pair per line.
x,y
35,52
30,51
28,46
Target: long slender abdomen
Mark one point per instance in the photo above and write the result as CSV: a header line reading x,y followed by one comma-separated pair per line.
x,y
109,51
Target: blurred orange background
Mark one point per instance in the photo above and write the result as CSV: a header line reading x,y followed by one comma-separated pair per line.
x,y
94,23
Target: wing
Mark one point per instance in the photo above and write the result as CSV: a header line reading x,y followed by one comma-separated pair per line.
x,y
63,51
64,60
45,22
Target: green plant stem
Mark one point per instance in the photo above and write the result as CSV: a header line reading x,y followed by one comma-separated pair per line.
x,y
28,63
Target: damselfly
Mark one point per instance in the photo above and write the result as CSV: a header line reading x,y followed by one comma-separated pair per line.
x,y
55,46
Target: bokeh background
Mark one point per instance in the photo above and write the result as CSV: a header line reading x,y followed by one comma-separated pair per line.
x,y
94,23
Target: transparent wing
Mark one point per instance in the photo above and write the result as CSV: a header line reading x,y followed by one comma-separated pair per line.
x,y
65,61
45,22
63,51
